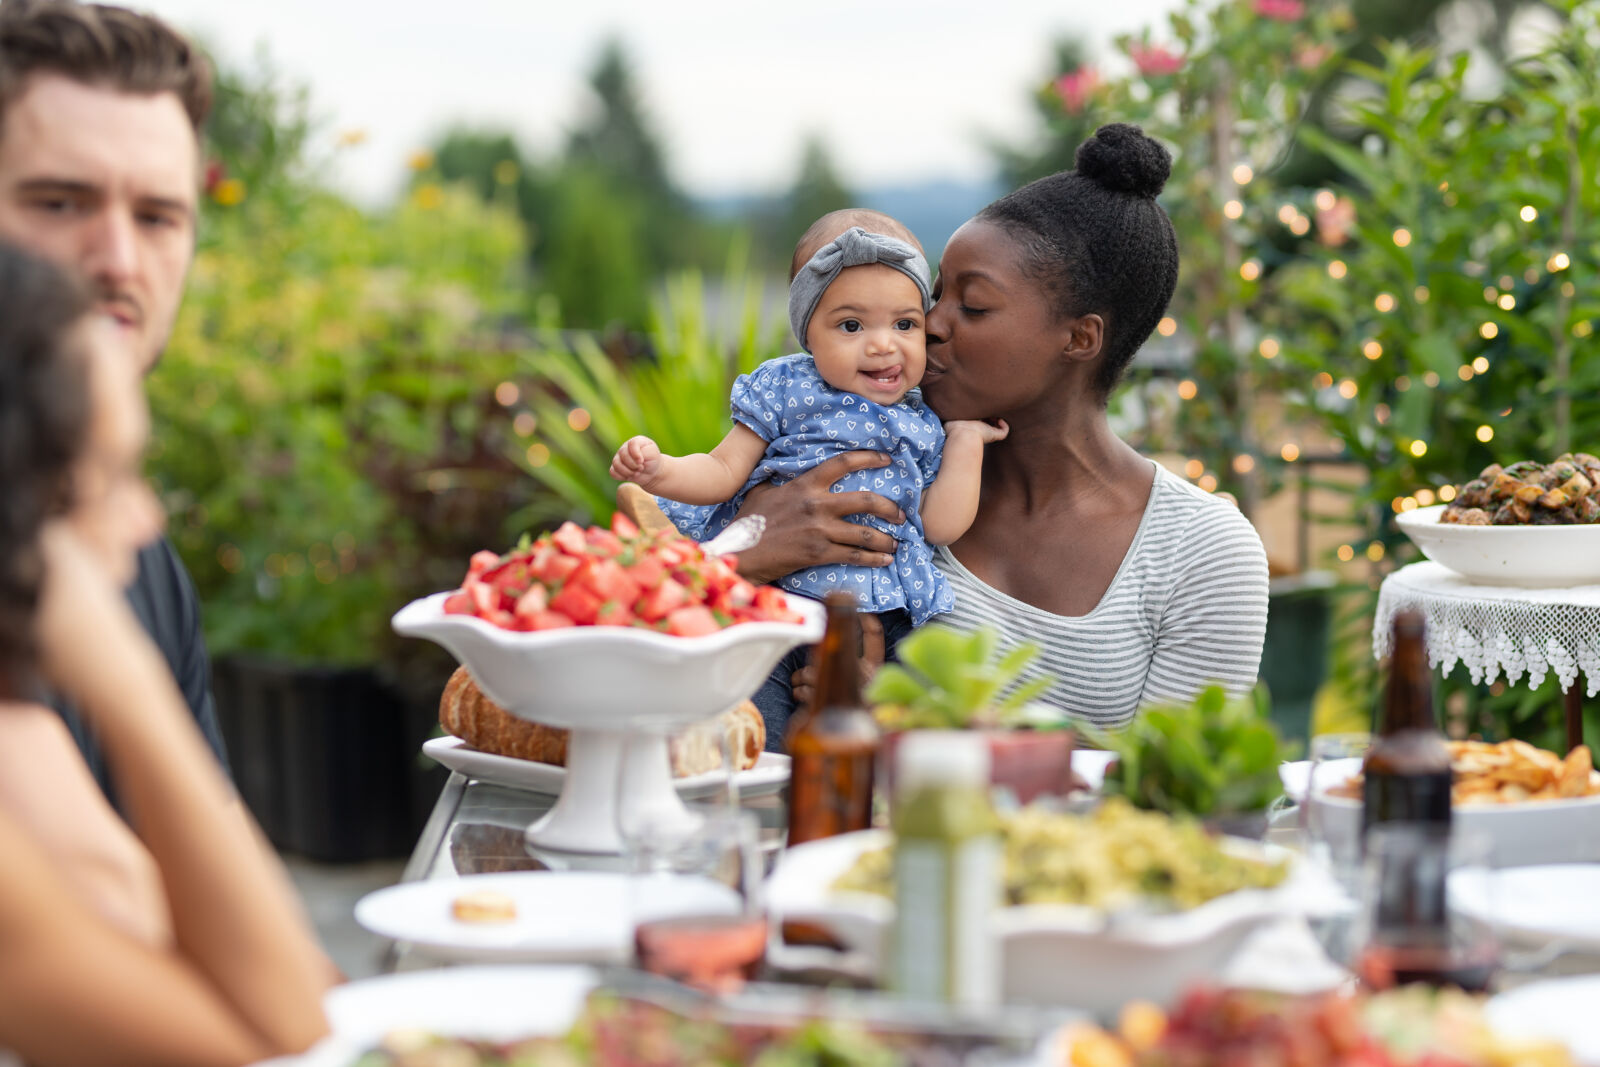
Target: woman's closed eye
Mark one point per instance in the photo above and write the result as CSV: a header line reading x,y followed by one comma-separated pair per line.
x,y
970,311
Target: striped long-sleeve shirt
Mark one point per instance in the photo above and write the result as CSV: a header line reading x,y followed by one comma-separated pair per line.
x,y
1188,606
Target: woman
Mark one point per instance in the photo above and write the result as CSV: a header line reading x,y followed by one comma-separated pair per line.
x,y
1137,586
185,944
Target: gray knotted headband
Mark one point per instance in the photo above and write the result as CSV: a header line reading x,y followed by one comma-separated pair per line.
x,y
853,248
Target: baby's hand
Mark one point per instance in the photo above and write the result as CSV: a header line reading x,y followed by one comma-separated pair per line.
x,y
987,432
638,460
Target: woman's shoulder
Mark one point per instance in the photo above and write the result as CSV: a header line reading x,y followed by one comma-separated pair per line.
x,y
1186,520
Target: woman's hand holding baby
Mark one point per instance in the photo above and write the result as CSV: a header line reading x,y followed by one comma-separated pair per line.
x,y
637,461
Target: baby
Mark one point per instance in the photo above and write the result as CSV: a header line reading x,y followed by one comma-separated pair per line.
x,y
859,294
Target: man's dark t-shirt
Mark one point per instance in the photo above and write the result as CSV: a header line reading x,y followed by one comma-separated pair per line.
x,y
163,598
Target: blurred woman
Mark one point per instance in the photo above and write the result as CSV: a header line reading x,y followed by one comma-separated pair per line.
x,y
179,941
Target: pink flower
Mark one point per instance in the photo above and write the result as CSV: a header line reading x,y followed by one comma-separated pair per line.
x,y
1076,87
1281,10
1335,223
1155,61
1313,56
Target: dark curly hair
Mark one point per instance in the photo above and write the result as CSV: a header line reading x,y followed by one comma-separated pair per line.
x,y
1098,241
44,414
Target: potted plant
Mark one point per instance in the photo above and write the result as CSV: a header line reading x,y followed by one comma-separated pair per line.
x,y
1215,758
949,680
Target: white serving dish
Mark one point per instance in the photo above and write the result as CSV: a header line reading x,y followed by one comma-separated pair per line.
x,y
1554,903
1556,1009
1520,835
561,917
604,683
490,1003
1534,556
769,775
1066,956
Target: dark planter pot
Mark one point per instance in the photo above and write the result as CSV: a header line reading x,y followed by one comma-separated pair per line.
x,y
1030,763
326,757
1294,657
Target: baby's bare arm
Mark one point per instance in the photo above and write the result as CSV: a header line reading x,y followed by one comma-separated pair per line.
x,y
951,502
701,478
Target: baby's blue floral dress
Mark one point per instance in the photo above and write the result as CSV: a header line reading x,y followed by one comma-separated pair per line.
x,y
805,421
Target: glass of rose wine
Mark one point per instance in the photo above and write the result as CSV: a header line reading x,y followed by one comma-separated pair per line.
x,y
694,887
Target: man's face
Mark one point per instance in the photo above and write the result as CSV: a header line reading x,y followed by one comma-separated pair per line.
x,y
104,184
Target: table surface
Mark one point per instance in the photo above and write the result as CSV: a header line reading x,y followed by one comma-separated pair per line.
x,y
477,828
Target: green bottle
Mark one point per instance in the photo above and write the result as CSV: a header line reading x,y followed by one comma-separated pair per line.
x,y
947,871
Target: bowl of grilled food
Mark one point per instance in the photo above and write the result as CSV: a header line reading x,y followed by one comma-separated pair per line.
x,y
1526,524
1531,804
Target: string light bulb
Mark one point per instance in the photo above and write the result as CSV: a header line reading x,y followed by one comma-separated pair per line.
x,y
1242,174
1384,302
1337,269
1528,213
1488,331
1290,452
1485,434
1481,364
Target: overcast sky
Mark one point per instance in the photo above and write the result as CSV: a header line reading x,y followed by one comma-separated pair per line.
x,y
904,92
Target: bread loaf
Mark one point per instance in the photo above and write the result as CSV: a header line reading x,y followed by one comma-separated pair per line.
x,y
467,713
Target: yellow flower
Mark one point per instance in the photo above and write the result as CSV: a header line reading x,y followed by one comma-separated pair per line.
x,y
229,191
351,138
429,197
420,160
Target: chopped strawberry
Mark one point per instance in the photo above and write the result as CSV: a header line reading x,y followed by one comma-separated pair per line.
x,y
569,537
531,603
692,621
623,526
661,601
482,561
577,602
458,604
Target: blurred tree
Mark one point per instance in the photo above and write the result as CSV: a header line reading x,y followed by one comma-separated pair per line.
x,y
817,191
605,222
1021,164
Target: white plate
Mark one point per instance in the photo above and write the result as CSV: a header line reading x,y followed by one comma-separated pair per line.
x,y
1533,832
770,774
562,916
491,1003
1070,956
1560,902
1557,1009
1540,556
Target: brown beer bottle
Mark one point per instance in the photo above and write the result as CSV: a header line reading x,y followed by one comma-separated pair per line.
x,y
1406,775
833,744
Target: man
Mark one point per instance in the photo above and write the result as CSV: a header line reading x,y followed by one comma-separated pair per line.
x,y
100,117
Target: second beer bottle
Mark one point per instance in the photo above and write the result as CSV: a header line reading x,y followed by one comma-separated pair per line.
x,y
833,743
1407,773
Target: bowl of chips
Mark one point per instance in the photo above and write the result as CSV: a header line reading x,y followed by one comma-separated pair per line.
x,y
1533,805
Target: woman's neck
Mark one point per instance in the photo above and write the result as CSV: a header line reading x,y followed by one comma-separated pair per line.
x,y
1053,458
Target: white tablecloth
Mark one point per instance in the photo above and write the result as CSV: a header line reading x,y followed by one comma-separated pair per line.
x,y
1495,629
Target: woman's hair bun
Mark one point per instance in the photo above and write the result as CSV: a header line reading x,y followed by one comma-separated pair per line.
x,y
1123,159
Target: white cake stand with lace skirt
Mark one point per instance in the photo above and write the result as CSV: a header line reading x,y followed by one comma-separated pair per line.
x,y
1496,630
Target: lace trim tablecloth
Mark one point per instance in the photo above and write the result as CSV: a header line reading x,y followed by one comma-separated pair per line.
x,y
1495,629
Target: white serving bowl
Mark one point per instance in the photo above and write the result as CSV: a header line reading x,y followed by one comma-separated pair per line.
x,y
1536,556
582,677
1520,835
605,683
1056,955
